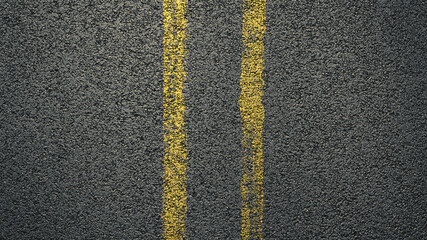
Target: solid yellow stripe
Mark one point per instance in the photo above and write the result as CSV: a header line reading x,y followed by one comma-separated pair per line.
x,y
175,151
252,113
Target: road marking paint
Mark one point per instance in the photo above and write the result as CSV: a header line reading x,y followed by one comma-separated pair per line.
x,y
252,113
175,150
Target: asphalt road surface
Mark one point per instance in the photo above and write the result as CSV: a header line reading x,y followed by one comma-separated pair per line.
x,y
344,134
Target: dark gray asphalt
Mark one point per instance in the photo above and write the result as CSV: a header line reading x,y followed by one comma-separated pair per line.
x,y
345,129
214,62
81,120
344,135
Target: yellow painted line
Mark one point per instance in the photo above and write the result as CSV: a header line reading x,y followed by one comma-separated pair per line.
x,y
175,150
252,113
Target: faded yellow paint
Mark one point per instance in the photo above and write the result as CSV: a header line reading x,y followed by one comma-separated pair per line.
x,y
252,114
175,150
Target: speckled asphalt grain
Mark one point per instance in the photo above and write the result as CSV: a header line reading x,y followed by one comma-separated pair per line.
x,y
344,134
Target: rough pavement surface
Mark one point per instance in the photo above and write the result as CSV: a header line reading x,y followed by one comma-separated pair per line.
x,y
344,134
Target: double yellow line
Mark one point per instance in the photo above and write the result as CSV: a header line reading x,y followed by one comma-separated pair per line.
x,y
252,113
175,150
